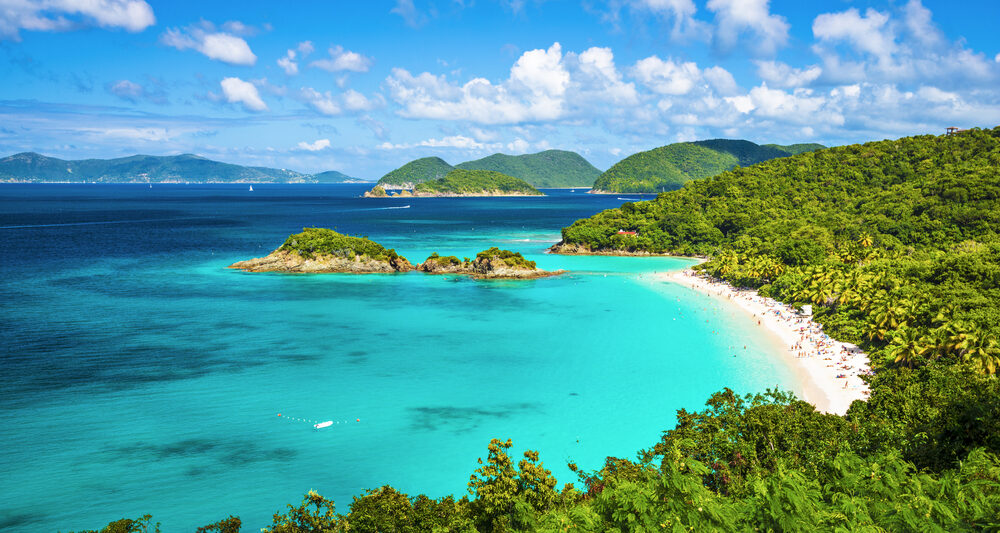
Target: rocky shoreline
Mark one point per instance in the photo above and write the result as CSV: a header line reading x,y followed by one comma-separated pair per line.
x,y
561,248
482,268
291,262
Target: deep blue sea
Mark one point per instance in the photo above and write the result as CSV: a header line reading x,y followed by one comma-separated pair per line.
x,y
139,375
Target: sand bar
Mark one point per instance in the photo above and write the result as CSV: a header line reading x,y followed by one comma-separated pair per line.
x,y
830,369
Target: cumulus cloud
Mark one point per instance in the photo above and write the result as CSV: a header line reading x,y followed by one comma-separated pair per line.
x,y
667,77
469,145
678,13
870,33
734,18
63,15
319,144
341,59
128,90
289,64
409,13
782,75
214,44
242,92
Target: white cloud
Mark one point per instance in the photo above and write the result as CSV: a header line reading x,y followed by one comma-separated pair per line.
x,y
319,144
409,13
288,63
535,91
305,48
869,34
782,75
341,59
918,23
132,134
355,101
667,77
596,78
245,93
721,80
204,38
62,15
322,102
679,12
453,141
736,17
127,90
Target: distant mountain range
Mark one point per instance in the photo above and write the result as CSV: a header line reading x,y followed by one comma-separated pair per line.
x,y
551,168
669,167
186,168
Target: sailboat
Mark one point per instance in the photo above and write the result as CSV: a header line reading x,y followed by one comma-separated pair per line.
x,y
251,188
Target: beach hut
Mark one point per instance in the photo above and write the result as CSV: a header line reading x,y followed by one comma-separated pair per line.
x,y
629,233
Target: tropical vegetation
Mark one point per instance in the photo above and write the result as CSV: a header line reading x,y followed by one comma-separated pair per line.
x,y
475,182
416,171
322,241
668,167
551,168
511,259
187,168
895,245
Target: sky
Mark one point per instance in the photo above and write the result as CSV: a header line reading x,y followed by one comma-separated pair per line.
x,y
365,86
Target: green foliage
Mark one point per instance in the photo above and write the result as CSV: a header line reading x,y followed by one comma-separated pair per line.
x,y
417,171
460,181
315,515
322,241
507,499
444,261
226,525
551,168
129,525
511,259
333,176
668,167
30,166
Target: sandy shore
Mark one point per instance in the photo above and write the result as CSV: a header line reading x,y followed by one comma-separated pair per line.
x,y
829,369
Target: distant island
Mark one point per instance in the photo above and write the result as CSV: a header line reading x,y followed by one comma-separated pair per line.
x,y
548,169
669,167
30,167
461,182
317,250
493,263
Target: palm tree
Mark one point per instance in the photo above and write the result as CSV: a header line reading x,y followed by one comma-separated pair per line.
x,y
906,346
865,240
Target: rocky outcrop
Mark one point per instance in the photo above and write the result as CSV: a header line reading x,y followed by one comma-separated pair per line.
x,y
483,267
376,192
562,248
287,261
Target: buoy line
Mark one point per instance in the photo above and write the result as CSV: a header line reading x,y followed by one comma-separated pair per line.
x,y
315,423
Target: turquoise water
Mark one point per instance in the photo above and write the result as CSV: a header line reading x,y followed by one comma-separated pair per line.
x,y
141,376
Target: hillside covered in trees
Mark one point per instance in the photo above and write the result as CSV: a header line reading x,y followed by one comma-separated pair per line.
x,y
414,172
461,182
185,168
551,168
895,245
668,167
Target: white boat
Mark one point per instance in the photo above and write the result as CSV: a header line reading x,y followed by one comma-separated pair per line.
x,y
251,188
322,425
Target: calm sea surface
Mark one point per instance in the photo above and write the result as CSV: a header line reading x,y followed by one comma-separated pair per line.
x,y
139,375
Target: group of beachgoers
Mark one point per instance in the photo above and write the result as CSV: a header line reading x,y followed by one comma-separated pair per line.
x,y
827,360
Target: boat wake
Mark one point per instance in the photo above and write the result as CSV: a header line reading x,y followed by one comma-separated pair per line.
x,y
629,199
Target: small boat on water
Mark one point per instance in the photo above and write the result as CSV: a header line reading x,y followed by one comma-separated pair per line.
x,y
322,425
251,188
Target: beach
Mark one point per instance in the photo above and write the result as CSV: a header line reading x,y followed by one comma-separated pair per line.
x,y
830,370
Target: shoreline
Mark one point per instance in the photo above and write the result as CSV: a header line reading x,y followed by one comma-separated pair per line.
x,y
817,360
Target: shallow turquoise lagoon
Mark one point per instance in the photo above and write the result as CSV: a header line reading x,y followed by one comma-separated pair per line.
x,y
141,376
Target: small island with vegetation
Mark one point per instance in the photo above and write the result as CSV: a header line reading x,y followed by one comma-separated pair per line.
x,y
462,182
321,250
492,263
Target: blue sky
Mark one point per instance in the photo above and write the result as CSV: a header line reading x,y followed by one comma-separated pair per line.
x,y
363,87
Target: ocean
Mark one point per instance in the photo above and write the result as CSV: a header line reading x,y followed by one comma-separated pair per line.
x,y
139,375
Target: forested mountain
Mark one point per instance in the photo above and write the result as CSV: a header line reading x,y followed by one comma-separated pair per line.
x,y
414,172
463,182
669,167
332,176
186,168
551,168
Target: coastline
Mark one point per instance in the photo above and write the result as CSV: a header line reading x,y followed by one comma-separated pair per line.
x,y
817,360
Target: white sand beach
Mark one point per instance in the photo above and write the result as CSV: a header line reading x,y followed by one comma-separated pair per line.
x,y
829,369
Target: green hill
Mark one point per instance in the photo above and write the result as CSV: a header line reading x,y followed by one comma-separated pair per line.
x,y
551,168
669,167
332,176
414,172
462,182
32,167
